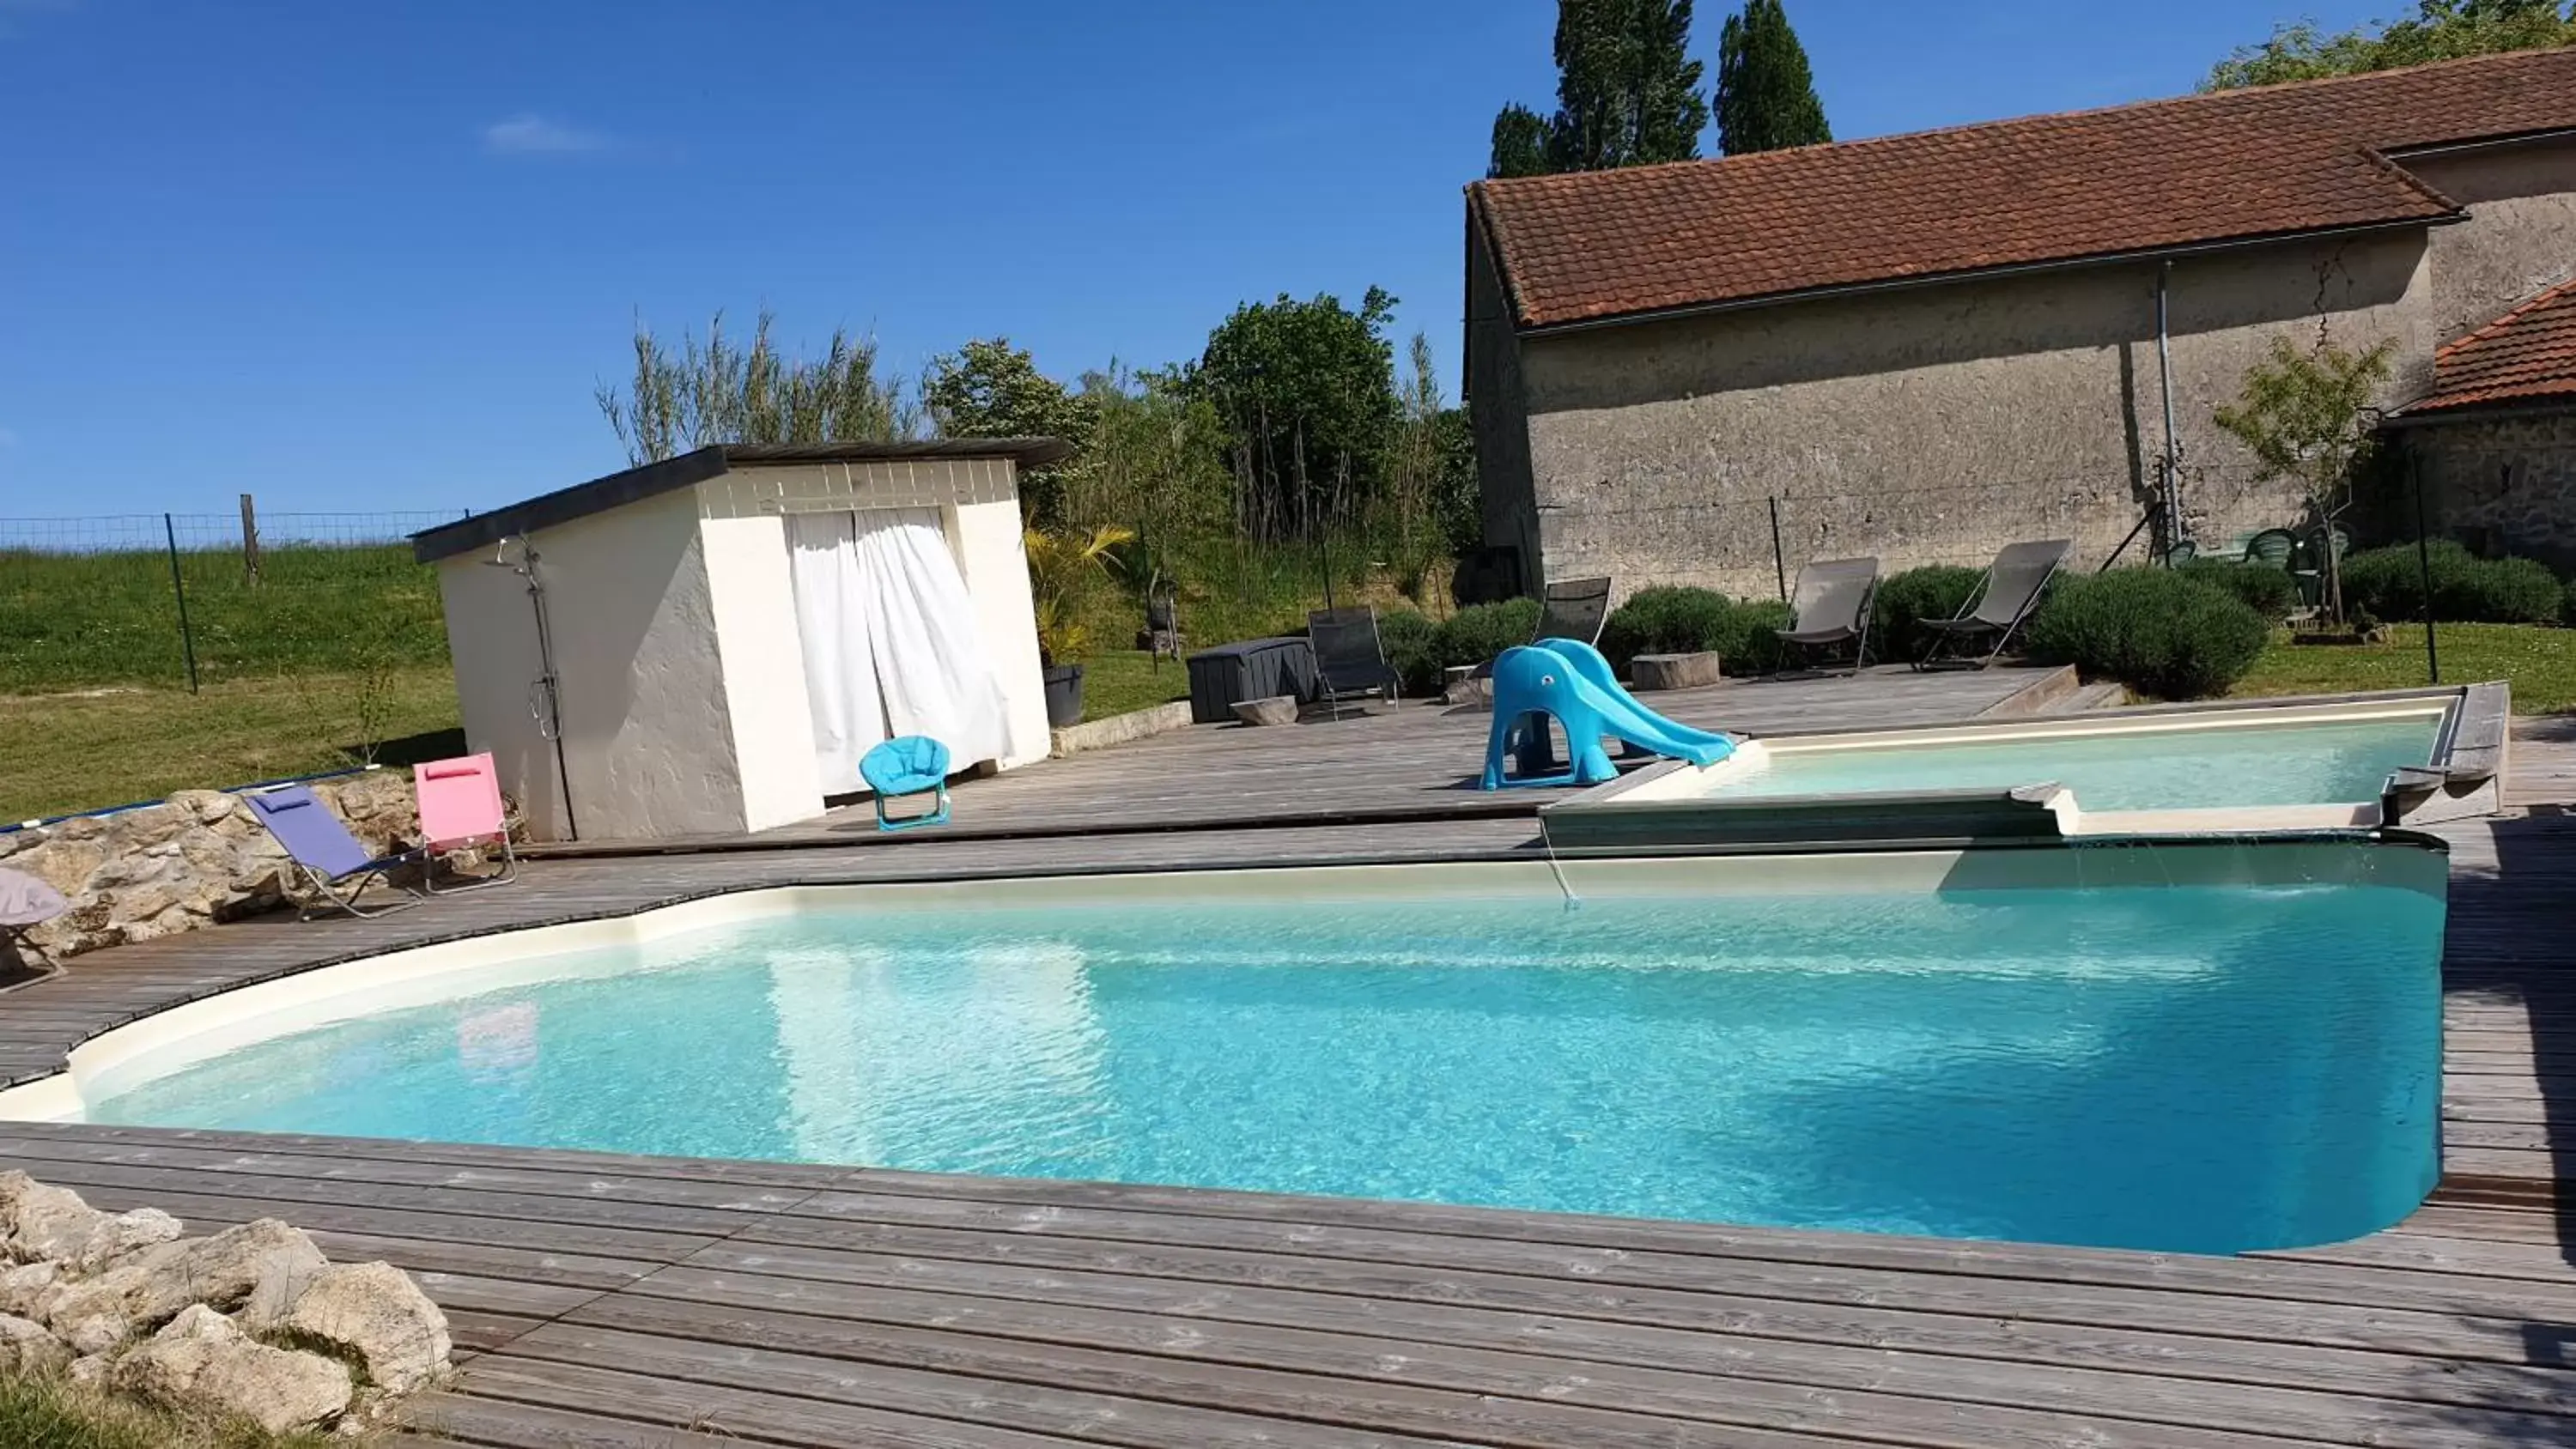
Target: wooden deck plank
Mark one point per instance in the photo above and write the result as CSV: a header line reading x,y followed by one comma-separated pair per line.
x,y
1789,1301
2079,1369
538,1405
1283,1384
1964,1403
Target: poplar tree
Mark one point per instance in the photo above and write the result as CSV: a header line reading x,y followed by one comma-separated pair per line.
x,y
1627,93
1766,94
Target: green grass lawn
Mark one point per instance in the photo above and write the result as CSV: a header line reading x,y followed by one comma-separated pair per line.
x,y
38,1412
65,752
73,621
2539,663
1118,681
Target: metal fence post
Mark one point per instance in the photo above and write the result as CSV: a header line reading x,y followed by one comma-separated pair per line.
x,y
2424,569
1779,562
179,588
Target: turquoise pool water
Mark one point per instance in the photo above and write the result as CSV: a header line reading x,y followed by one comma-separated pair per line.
x,y
2292,764
2186,1068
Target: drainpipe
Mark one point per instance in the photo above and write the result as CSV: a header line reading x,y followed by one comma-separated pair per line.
x,y
545,699
2169,499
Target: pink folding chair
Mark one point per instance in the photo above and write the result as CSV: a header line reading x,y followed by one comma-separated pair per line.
x,y
460,805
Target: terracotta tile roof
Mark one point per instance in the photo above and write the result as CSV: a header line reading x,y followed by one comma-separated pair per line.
x,y
2526,355
2227,166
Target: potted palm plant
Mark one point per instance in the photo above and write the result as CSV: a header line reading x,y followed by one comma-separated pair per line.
x,y
1065,566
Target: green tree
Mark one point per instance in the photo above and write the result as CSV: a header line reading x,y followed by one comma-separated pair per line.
x,y
1157,466
2439,30
715,391
1766,94
1627,93
2307,416
1306,391
1520,143
990,389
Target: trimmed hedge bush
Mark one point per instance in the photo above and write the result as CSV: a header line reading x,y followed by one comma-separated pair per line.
x,y
2268,591
1667,619
2467,589
2162,632
1412,644
1478,632
1751,646
1934,591
1675,619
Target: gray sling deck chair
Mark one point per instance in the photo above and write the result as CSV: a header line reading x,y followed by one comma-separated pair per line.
x,y
1350,660
1568,609
1831,608
1574,609
2011,590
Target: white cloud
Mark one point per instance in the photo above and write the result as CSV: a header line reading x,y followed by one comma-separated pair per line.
x,y
529,134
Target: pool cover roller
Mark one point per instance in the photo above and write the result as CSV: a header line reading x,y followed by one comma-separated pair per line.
x,y
1568,680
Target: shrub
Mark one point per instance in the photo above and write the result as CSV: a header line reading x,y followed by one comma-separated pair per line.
x,y
1934,591
1481,631
2567,605
1667,619
1750,646
1412,645
2162,632
2268,591
2467,589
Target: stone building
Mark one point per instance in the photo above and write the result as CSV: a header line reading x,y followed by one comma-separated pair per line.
x,y
1924,346
2495,440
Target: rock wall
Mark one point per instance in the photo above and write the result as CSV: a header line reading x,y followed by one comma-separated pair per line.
x,y
193,860
2507,482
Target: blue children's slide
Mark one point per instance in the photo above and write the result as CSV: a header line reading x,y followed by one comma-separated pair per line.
x,y
1569,681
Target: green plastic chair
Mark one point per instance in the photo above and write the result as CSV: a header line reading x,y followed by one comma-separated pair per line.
x,y
2274,546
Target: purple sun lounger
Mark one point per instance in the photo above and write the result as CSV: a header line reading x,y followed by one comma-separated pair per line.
x,y
333,863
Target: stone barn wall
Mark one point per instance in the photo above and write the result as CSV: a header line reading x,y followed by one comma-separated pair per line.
x,y
2504,484
1928,424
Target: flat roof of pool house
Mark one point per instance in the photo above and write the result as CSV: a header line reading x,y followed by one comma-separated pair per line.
x,y
611,1299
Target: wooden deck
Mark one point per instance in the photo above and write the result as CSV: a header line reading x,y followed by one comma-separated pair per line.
x,y
612,1300
1415,762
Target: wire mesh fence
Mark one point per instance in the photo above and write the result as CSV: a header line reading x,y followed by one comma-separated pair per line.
x,y
193,598
1752,544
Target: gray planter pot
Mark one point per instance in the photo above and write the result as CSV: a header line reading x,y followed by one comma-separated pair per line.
x,y
1063,695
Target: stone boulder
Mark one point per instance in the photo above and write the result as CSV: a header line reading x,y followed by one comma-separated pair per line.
x,y
28,1290
93,1333
201,1359
374,1312
53,1224
26,1348
142,1291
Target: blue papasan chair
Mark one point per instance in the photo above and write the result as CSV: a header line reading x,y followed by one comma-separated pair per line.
x,y
907,765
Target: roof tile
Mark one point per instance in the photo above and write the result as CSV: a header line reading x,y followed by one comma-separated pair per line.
x,y
2223,166
2526,355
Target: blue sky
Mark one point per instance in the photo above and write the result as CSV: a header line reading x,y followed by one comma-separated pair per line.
x,y
376,256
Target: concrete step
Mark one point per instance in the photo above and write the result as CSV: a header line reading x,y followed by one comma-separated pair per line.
x,y
2106,695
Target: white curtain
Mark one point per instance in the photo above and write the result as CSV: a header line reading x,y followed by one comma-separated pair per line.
x,y
889,638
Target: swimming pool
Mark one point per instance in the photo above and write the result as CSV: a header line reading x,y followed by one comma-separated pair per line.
x,y
2213,1049
2231,768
